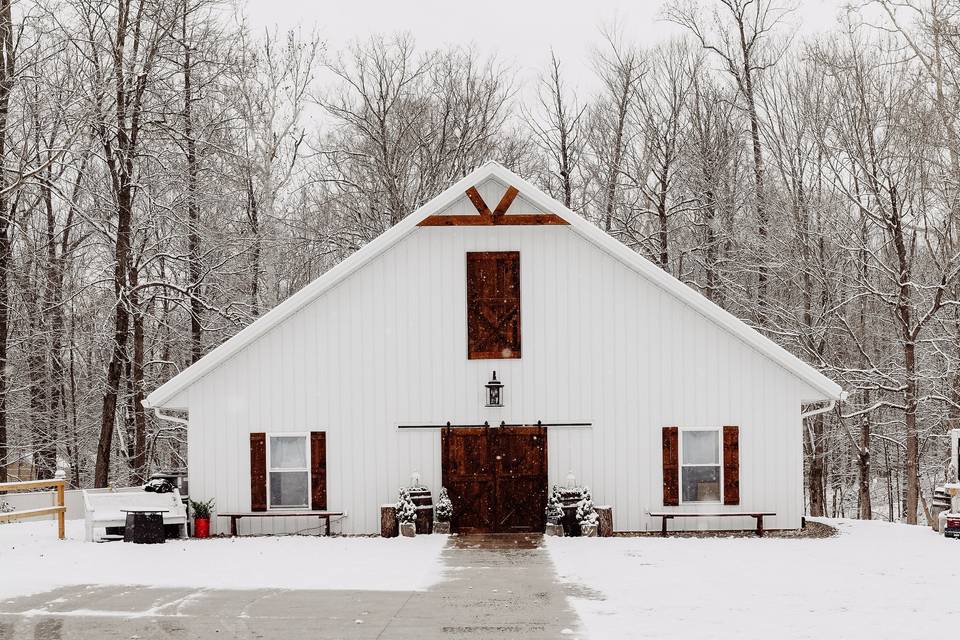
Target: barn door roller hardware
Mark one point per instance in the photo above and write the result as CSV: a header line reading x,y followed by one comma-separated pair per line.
x,y
538,423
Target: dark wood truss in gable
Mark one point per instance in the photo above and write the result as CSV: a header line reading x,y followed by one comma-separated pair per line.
x,y
489,218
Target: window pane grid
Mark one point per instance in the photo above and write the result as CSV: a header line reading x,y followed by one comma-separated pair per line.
x,y
288,473
700,469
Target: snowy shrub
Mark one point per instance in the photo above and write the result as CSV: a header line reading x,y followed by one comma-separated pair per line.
x,y
5,507
586,514
406,510
444,509
554,511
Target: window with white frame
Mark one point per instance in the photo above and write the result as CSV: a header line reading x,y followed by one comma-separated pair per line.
x,y
289,473
700,469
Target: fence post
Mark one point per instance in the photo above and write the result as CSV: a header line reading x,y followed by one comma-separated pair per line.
x,y
61,515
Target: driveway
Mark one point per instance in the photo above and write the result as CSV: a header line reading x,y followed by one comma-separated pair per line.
x,y
493,587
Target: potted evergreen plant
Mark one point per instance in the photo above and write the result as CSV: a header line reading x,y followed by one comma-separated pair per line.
x,y
587,515
442,513
201,517
554,513
406,514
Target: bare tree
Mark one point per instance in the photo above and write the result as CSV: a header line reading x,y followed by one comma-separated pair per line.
x,y
557,130
620,68
7,75
124,45
736,32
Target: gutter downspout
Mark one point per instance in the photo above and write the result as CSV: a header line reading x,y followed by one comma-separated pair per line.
x,y
812,412
829,407
161,416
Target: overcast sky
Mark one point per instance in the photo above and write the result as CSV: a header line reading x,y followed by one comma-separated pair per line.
x,y
520,32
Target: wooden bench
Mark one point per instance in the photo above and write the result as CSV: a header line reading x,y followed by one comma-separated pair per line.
x,y
323,515
757,515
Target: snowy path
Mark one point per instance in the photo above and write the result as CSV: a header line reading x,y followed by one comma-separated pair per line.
x,y
492,587
873,581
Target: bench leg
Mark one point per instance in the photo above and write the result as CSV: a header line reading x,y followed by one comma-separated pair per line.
x,y
759,526
663,528
233,526
326,530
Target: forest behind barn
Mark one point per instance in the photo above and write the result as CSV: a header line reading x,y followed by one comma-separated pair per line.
x,y
171,174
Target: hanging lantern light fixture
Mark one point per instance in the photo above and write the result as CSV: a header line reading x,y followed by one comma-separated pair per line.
x,y
494,392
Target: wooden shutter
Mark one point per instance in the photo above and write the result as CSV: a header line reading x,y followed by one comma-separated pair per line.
x,y
258,472
318,470
671,467
731,465
493,305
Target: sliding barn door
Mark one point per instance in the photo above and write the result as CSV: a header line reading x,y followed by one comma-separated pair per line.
x,y
496,477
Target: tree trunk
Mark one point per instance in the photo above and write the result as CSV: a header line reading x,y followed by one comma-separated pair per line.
x,y
613,175
6,86
865,511
664,229
910,469
121,323
253,216
193,210
138,461
816,480
44,444
886,459
758,186
713,280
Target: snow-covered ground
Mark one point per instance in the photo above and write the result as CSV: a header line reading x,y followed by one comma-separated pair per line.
x,y
32,560
875,580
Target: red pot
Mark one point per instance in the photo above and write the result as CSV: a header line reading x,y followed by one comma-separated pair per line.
x,y
201,528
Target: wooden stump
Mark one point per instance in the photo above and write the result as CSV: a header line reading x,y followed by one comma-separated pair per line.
x,y
388,521
605,525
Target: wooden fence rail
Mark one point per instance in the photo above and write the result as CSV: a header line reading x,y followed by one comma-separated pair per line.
x,y
59,508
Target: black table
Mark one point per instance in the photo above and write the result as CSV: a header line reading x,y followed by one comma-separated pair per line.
x,y
144,526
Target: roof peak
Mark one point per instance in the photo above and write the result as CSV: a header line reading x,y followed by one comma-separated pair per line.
x,y
563,215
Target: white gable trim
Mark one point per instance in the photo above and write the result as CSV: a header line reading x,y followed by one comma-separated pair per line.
x,y
162,396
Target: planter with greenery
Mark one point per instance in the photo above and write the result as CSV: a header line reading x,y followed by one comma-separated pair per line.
x,y
587,516
554,513
201,517
406,514
443,513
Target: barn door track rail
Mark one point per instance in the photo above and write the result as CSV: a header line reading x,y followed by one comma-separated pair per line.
x,y
487,424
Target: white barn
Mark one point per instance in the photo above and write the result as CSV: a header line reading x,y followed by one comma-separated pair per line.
x,y
336,396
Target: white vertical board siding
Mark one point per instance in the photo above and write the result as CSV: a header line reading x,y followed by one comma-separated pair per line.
x,y
387,347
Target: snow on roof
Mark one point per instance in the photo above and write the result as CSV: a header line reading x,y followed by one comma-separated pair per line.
x,y
162,396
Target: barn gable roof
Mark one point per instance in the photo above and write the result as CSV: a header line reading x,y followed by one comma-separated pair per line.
x,y
453,201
